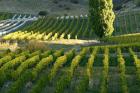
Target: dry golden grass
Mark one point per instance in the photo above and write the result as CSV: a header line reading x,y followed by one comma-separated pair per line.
x,y
7,45
33,45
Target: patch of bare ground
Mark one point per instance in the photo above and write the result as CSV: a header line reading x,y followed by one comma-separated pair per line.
x,y
74,42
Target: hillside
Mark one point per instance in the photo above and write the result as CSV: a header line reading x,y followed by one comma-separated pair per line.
x,y
52,6
68,49
55,7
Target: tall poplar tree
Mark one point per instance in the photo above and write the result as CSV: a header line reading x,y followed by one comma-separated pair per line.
x,y
101,17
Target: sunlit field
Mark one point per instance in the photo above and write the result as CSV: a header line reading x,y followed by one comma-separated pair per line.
x,y
53,53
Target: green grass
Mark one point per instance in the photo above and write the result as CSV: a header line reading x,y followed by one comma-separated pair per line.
x,y
123,39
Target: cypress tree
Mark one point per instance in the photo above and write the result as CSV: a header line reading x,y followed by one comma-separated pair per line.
x,y
137,2
101,17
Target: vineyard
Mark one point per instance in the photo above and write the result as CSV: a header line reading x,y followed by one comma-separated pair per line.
x,y
72,27
96,52
4,16
111,69
15,21
53,28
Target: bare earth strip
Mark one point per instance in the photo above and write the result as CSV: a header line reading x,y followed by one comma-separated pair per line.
x,y
74,42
